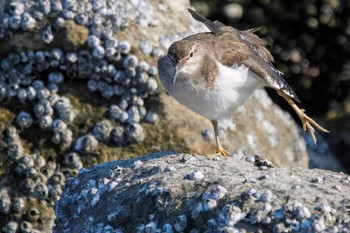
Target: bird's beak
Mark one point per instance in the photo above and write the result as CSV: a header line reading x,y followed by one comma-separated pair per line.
x,y
176,67
176,74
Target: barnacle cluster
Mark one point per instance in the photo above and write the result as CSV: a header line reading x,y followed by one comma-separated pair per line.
x,y
45,133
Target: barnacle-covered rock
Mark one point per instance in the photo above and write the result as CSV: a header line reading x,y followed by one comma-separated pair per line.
x,y
217,202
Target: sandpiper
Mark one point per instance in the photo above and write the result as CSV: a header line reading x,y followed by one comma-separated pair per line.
x,y
213,73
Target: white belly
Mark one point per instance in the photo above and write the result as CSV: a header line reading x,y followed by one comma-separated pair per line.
x,y
232,88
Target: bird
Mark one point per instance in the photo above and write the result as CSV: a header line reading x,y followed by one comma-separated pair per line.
x,y
213,73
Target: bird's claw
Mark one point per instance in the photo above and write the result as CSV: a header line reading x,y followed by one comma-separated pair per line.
x,y
221,151
309,124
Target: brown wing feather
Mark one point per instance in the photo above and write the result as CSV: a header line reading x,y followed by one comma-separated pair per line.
x,y
233,46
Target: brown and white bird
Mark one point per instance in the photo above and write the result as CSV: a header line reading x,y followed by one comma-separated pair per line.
x,y
213,73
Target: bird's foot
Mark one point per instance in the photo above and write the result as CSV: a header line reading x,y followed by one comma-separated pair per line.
x,y
221,151
308,124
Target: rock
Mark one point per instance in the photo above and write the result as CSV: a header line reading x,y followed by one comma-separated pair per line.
x,y
132,198
67,67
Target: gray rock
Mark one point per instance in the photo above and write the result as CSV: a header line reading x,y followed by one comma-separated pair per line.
x,y
221,199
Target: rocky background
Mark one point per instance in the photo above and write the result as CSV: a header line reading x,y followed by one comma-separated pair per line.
x,y
78,87
310,41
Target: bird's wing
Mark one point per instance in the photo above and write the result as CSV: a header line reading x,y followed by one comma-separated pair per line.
x,y
233,46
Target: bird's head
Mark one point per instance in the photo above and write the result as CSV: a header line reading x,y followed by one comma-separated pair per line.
x,y
186,57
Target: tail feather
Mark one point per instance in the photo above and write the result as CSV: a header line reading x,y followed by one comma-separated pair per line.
x,y
205,21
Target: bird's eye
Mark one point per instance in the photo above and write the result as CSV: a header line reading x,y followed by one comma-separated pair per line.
x,y
191,54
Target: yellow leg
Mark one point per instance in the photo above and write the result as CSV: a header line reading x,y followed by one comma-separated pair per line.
x,y
306,121
219,149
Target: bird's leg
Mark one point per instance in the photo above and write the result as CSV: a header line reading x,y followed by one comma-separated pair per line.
x,y
219,149
307,122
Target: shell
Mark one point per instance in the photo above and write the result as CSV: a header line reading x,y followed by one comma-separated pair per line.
x,y
152,117
56,6
47,35
111,43
31,93
5,201
33,214
134,116
216,192
16,8
131,61
111,53
11,227
145,47
62,104
86,144
27,186
57,54
92,85
44,6
107,92
66,139
41,191
14,151
56,138
60,22
51,87
152,86
134,133
123,47
123,117
72,161
115,111
71,57
81,19
26,227
55,77
68,114
42,108
180,223
43,93
123,104
18,204
22,95
38,84
14,58
49,169
55,192
68,14
15,22
152,71
93,41
195,175
45,122
24,120
98,52
102,130
118,89
117,135
58,126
